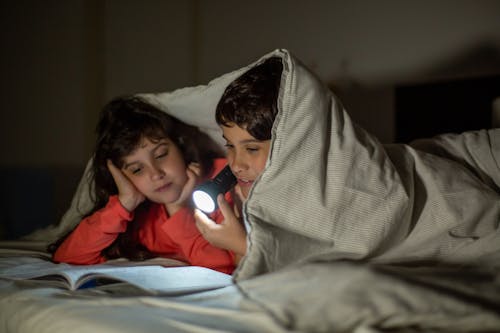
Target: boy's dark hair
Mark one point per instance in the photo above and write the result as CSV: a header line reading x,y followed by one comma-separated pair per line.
x,y
122,124
250,101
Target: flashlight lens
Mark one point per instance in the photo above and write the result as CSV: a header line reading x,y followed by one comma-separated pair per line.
x,y
203,201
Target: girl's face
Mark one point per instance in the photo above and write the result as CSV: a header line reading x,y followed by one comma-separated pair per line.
x,y
157,169
246,155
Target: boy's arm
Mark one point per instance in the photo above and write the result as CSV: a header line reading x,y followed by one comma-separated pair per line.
x,y
194,247
93,234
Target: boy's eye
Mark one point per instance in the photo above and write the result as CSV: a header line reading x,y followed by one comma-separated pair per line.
x,y
229,146
252,149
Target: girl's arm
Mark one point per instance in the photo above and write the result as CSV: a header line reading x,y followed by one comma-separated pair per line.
x,y
93,234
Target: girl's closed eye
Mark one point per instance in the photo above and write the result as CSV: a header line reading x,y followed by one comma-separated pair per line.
x,y
162,154
132,168
135,170
161,150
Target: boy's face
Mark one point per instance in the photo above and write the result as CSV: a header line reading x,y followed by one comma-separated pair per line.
x,y
246,155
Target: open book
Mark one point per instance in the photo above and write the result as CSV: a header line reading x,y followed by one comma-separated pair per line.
x,y
154,279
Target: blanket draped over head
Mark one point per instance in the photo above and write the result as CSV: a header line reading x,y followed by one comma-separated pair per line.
x,y
331,191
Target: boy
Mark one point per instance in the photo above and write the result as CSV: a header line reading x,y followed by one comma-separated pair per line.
x,y
245,113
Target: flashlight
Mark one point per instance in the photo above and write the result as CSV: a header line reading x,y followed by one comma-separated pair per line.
x,y
205,195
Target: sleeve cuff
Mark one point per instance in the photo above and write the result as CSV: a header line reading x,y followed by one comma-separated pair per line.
x,y
114,206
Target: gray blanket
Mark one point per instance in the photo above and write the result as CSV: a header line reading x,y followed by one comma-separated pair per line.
x,y
332,191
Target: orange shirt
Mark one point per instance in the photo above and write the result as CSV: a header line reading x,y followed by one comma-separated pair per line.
x,y
167,236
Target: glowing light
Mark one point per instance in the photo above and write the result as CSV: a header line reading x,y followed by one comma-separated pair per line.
x,y
203,201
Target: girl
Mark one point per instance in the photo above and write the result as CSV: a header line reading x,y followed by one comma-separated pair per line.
x,y
145,166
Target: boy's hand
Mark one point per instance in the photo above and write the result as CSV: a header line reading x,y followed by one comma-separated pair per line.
x,y
238,199
229,234
128,194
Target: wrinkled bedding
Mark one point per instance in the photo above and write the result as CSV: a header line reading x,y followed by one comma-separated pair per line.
x,y
346,234
342,296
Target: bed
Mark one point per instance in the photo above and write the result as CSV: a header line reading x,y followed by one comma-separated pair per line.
x,y
346,234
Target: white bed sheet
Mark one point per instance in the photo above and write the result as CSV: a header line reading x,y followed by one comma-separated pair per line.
x,y
341,296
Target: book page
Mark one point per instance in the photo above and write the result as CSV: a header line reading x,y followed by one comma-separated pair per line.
x,y
153,279
162,280
26,267
64,275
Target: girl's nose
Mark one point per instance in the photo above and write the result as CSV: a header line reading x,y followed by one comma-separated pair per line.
x,y
157,173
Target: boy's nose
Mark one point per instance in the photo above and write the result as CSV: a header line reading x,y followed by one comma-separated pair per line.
x,y
237,165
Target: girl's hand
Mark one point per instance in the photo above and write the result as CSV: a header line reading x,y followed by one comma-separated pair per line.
x,y
193,172
229,234
128,194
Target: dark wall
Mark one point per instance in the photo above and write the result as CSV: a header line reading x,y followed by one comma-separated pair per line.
x,y
425,110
